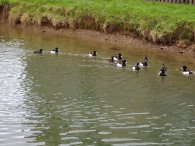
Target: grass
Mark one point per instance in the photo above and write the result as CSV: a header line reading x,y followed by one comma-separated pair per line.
x,y
157,22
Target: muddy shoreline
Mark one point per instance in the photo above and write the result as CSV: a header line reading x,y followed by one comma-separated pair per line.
x,y
183,47
117,39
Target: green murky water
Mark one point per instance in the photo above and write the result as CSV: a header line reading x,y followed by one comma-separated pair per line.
x,y
72,99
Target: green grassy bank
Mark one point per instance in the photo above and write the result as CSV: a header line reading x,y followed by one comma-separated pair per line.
x,y
156,22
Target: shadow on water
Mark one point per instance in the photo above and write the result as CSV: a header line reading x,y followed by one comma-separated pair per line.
x,y
162,79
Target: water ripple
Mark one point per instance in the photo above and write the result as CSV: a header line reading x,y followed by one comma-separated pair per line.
x,y
71,99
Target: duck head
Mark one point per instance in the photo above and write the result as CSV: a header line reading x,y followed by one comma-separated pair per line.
x,y
137,64
119,56
184,68
112,58
57,50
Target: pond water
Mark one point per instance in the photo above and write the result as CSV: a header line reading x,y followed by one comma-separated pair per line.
x,y
72,99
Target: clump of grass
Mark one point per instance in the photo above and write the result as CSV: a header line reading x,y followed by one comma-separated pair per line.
x,y
157,22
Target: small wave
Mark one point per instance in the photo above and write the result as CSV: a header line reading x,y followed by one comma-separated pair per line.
x,y
191,127
76,126
104,133
176,130
131,127
172,134
70,138
113,124
119,139
142,144
81,131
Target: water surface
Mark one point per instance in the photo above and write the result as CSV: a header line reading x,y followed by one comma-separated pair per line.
x,y
71,99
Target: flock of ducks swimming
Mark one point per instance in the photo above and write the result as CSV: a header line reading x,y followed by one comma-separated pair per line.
x,y
120,62
40,51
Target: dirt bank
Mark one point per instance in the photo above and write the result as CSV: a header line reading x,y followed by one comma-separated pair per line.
x,y
182,47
